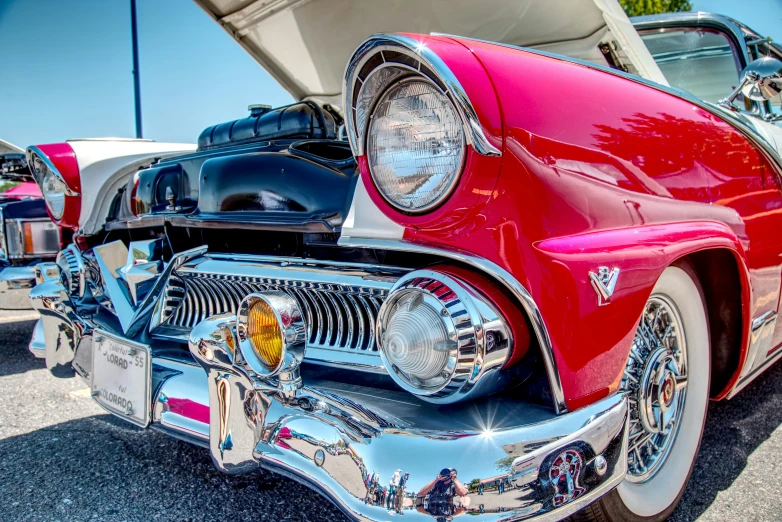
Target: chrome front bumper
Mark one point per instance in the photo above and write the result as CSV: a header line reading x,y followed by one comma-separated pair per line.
x,y
334,435
15,284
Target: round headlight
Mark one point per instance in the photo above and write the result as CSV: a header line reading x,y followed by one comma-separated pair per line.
x,y
271,333
440,339
53,191
415,146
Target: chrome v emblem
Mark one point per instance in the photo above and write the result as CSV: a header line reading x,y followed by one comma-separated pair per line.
x,y
115,261
604,283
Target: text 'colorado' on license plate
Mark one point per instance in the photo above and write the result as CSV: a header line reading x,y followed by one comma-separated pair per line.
x,y
121,377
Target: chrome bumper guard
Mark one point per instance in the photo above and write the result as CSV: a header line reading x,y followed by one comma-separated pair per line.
x,y
60,330
15,284
337,441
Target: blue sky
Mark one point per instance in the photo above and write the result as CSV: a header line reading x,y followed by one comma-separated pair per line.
x,y
67,68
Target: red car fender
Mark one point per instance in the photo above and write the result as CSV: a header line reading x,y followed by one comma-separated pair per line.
x,y
588,369
602,161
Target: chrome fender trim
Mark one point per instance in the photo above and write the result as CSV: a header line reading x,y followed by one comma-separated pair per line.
x,y
501,275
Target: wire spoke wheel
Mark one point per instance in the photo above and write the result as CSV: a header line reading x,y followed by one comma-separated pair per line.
x,y
656,381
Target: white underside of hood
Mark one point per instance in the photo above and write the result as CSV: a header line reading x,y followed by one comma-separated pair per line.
x,y
6,147
305,44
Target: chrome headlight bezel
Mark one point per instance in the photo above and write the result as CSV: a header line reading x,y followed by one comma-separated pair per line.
x,y
482,341
376,65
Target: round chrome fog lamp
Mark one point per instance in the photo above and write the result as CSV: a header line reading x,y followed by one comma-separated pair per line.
x,y
271,334
440,339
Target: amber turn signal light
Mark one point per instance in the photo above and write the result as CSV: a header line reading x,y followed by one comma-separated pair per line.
x,y
265,333
271,333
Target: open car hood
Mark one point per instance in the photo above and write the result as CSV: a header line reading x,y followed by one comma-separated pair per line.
x,y
305,44
13,163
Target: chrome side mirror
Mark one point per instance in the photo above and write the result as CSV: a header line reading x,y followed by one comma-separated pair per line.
x,y
761,80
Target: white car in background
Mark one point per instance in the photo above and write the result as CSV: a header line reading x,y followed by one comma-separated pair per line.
x,y
90,172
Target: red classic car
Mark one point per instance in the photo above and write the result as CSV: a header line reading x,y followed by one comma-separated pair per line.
x,y
498,278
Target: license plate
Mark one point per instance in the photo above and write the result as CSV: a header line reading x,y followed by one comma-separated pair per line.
x,y
121,377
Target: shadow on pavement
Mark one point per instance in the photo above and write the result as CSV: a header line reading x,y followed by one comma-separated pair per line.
x,y
101,468
734,429
14,338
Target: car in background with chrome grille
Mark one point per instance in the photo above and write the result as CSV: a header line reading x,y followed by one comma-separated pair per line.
x,y
27,235
498,274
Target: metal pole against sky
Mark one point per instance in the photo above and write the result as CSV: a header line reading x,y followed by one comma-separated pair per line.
x,y
136,73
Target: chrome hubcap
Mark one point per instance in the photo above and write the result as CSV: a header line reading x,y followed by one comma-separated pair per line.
x,y
656,381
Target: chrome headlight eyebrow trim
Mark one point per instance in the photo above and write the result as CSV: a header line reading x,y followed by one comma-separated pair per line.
x,y
424,63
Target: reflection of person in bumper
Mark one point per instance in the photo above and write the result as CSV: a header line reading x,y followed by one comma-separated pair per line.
x,y
399,501
393,484
439,495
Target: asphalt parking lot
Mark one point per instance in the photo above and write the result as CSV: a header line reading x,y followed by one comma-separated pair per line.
x,y
63,458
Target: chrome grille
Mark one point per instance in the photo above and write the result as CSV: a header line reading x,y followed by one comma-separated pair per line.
x,y
340,301
172,298
75,268
338,317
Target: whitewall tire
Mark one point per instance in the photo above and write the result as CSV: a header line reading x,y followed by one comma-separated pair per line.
x,y
667,381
